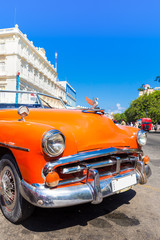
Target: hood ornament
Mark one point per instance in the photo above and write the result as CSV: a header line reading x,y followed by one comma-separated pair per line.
x,y
94,108
93,103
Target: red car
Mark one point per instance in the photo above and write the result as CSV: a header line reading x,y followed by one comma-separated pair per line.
x,y
146,123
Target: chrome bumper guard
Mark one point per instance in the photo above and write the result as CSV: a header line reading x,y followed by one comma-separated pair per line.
x,y
92,191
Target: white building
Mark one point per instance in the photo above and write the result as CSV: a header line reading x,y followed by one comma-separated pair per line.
x,y
70,93
146,89
18,54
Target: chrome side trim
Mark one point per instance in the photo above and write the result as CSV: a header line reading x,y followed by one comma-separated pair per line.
x,y
14,147
82,156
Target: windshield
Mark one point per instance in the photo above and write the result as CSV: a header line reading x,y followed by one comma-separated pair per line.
x,y
50,102
15,99
146,122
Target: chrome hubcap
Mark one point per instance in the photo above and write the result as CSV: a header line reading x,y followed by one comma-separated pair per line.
x,y
8,187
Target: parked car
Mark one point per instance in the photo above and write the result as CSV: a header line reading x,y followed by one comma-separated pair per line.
x,y
145,124
52,157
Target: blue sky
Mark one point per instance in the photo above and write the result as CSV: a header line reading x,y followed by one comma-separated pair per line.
x,y
106,48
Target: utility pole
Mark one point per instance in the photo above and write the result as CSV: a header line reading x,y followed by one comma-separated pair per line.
x,y
56,61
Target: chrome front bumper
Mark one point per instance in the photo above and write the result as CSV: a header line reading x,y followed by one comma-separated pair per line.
x,y
93,191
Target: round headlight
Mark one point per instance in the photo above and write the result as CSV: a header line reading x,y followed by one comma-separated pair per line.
x,y
141,137
53,143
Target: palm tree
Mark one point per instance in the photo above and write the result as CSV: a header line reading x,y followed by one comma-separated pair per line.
x,y
157,79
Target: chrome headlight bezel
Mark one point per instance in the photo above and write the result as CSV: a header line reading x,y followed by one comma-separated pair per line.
x,y
141,137
53,135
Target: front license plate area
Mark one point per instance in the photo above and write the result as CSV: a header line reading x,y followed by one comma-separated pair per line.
x,y
124,182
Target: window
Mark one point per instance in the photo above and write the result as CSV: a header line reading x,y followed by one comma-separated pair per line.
x,y
35,73
40,75
2,88
2,47
30,68
23,65
2,67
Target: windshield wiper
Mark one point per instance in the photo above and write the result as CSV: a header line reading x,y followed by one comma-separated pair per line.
x,y
45,102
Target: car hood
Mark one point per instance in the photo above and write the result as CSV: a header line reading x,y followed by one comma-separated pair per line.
x,y
89,130
82,131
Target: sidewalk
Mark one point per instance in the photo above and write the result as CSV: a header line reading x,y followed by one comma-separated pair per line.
x,y
153,131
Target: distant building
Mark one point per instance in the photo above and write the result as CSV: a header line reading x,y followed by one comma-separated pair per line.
x,y
70,94
19,55
146,89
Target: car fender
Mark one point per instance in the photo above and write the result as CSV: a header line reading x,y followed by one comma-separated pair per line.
x,y
24,139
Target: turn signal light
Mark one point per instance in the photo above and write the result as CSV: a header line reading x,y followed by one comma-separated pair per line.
x,y
52,179
146,159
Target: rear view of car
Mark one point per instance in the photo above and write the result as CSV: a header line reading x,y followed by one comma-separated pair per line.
x,y
146,124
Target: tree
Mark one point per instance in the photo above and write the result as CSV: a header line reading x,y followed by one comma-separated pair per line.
x,y
157,79
119,117
140,89
145,106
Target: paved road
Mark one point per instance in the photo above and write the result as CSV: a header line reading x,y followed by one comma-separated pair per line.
x,y
131,215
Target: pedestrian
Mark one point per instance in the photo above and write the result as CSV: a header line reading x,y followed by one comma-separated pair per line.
x,y
131,124
136,125
155,127
123,122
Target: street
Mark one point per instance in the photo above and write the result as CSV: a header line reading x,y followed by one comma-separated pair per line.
x,y
131,215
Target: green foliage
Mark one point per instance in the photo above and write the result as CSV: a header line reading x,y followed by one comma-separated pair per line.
x,y
141,88
119,117
144,106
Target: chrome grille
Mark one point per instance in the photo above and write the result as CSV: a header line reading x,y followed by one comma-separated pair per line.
x,y
106,166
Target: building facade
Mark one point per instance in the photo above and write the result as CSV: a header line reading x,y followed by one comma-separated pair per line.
x,y
70,94
146,89
19,55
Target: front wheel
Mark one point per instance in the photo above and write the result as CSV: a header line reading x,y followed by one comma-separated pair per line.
x,y
14,207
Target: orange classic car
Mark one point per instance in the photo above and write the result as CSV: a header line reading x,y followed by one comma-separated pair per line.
x,y
53,157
